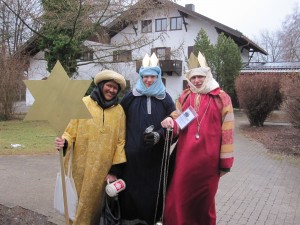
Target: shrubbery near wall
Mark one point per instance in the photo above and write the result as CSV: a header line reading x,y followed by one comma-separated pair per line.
x,y
258,96
291,94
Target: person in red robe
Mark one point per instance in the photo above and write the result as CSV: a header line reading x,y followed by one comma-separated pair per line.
x,y
204,150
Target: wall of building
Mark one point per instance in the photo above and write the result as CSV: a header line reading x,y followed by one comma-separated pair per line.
x,y
36,71
177,40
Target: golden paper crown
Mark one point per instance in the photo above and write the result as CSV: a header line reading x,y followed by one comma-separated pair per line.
x,y
195,62
150,61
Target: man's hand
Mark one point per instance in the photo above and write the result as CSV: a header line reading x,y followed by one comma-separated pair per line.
x,y
59,143
167,123
110,178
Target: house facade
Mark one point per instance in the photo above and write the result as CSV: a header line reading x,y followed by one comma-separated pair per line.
x,y
172,32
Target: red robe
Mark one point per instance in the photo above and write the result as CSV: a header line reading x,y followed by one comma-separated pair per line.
x,y
191,195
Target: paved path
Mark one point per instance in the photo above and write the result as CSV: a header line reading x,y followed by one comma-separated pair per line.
x,y
28,181
262,189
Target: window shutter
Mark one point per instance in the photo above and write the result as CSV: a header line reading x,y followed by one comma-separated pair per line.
x,y
168,53
190,50
115,54
153,50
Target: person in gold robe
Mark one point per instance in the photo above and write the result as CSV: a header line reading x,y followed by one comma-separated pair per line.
x,y
98,145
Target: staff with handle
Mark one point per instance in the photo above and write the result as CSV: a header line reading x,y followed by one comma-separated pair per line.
x,y
59,143
62,170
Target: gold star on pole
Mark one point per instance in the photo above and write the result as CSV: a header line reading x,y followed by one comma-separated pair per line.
x,y
58,99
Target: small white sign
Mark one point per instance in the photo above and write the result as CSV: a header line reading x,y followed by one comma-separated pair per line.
x,y
186,117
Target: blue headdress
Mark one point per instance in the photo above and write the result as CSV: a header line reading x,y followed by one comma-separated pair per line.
x,y
150,68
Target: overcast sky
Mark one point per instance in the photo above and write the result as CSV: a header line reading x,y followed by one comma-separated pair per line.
x,y
248,16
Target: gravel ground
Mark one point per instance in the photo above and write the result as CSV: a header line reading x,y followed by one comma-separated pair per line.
x,y
279,139
275,135
20,216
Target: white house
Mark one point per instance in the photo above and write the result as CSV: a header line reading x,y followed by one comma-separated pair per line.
x,y
172,33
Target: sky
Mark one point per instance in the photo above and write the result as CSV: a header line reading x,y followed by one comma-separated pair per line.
x,y
247,16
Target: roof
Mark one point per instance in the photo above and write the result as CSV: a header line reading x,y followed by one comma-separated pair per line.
x,y
272,67
240,39
29,47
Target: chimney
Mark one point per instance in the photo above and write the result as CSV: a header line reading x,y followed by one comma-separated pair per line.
x,y
190,7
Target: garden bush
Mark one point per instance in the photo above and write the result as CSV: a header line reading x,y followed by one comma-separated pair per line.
x,y
258,96
291,98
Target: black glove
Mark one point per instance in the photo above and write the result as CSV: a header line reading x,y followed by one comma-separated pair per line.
x,y
151,138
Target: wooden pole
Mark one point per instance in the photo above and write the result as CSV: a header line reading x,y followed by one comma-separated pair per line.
x,y
62,171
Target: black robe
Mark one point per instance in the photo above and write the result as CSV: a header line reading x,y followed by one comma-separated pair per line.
x,y
142,171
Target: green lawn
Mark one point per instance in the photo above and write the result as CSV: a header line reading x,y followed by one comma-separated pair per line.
x,y
35,137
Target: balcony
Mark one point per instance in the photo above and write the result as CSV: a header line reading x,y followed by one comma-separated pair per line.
x,y
167,66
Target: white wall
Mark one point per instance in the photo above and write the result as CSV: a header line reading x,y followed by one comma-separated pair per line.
x,y
173,39
36,71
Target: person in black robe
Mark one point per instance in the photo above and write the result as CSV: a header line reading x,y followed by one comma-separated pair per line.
x,y
145,106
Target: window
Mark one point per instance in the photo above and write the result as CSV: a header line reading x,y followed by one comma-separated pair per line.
x,y
160,24
161,53
176,23
122,56
87,55
146,26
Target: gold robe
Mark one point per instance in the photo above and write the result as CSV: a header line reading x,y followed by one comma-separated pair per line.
x,y
98,144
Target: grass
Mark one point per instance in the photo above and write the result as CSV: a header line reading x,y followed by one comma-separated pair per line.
x,y
35,137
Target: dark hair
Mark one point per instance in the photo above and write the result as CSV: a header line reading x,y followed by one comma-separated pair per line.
x,y
105,81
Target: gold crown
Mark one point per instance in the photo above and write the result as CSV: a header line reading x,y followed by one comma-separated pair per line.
x,y
195,62
150,61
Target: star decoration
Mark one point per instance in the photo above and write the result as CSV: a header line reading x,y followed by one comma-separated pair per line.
x,y
58,99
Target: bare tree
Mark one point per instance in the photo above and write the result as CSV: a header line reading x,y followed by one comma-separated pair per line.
x,y
15,17
283,44
11,76
271,42
290,36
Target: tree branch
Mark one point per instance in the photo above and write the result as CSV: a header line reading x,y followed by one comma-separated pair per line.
x,y
75,21
23,21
